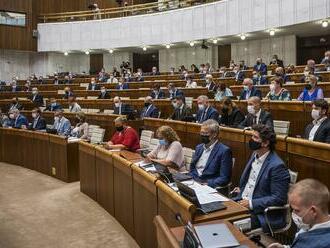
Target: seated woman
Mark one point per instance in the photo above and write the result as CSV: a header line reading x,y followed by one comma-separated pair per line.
x,y
312,91
125,138
277,93
231,116
169,152
81,128
222,91
190,82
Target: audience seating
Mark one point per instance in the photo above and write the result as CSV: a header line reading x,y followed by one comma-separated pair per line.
x,y
281,127
145,138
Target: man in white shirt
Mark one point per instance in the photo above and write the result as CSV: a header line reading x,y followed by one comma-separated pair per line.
x,y
309,200
319,129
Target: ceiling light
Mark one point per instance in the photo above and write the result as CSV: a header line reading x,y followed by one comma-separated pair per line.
x,y
144,48
325,23
272,32
66,53
192,43
110,51
87,52
243,37
168,46
215,41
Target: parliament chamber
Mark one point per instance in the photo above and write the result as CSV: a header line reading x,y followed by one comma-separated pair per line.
x,y
164,123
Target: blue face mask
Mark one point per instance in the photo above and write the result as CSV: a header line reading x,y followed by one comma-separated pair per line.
x,y
162,142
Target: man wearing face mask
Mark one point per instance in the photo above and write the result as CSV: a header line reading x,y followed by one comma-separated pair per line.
x,y
309,200
181,111
277,92
149,109
104,94
125,137
249,90
173,91
38,123
326,58
61,124
205,110
14,87
36,98
319,129
93,85
312,91
210,85
67,93
264,181
256,115
239,74
122,85
56,80
121,108
260,67
112,79
53,105
157,93
17,120
154,71
212,161
279,72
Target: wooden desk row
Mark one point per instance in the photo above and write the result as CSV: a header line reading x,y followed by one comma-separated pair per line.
x,y
309,159
49,154
134,197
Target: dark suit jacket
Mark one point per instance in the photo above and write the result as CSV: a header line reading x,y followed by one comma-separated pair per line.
x,y
96,87
262,69
104,95
123,87
182,115
176,93
38,100
211,113
254,92
151,111
21,120
58,81
260,80
161,95
265,118
217,171
53,108
15,89
240,76
271,189
212,87
232,120
41,124
323,132
126,109
68,94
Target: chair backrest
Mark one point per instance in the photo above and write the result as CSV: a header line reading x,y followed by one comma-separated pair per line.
x,y
92,97
60,92
93,110
80,98
188,153
85,110
281,127
165,238
189,101
97,135
84,85
108,111
153,143
146,137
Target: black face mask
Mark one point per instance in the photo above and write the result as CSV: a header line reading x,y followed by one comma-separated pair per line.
x,y
258,63
308,87
225,110
147,104
119,129
13,102
205,139
254,145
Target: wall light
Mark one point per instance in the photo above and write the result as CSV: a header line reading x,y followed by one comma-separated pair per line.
x,y
215,41
168,46
272,32
192,43
144,48
243,36
110,51
66,53
87,52
325,23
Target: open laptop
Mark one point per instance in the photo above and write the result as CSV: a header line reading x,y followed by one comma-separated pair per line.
x,y
190,195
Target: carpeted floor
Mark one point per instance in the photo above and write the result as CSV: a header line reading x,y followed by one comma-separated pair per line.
x,y
40,211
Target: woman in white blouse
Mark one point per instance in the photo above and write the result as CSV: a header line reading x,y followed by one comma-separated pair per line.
x,y
81,128
190,83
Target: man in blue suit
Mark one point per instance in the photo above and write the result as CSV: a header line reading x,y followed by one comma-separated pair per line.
x,y
157,93
53,105
173,91
260,67
149,110
17,120
212,161
249,90
239,74
93,85
122,85
38,123
264,181
61,124
205,110
309,200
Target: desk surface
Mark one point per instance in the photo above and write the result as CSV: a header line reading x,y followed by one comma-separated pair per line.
x,y
241,238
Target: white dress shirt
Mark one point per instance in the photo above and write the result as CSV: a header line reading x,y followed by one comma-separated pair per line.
x,y
200,165
254,173
316,126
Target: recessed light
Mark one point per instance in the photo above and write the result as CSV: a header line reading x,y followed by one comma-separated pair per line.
x,y
110,51
144,48
215,41
325,23
272,32
87,52
66,53
168,46
243,36
192,43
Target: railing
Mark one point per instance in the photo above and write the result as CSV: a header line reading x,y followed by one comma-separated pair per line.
x,y
129,10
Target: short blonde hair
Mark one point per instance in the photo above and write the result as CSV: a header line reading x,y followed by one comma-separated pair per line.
x,y
168,133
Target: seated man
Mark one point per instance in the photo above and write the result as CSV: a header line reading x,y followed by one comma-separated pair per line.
x,y
122,85
279,72
36,98
205,110
121,108
67,93
104,94
260,67
61,124
249,90
125,137
210,84
319,129
181,111
56,81
239,74
17,120
67,80
14,87
265,179
112,79
93,85
38,122
157,93
173,91
256,115
74,107
53,105
15,104
4,120
231,115
259,79
154,71
309,200
212,161
149,110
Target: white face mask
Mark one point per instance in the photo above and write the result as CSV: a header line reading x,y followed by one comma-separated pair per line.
x,y
34,115
251,110
175,105
34,92
272,87
11,116
117,104
245,87
201,107
103,91
56,118
315,114
299,221
306,73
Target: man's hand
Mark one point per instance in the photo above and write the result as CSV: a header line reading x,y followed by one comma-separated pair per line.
x,y
244,203
276,245
236,190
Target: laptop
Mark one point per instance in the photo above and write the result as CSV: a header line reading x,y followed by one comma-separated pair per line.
x,y
191,196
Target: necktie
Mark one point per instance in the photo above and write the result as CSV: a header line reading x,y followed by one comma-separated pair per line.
x,y
254,119
202,117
